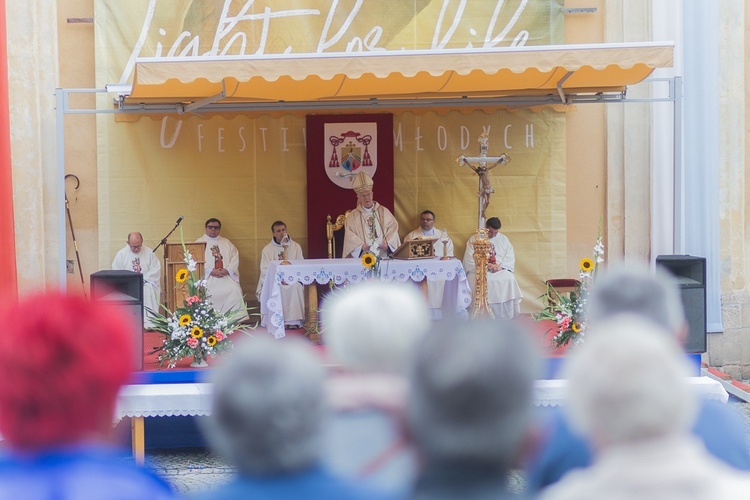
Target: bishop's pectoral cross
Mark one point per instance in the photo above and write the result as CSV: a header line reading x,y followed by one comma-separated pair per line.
x,y
479,165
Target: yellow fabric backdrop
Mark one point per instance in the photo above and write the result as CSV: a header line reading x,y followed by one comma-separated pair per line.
x,y
250,171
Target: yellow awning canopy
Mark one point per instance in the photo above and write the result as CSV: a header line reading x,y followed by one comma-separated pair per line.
x,y
390,77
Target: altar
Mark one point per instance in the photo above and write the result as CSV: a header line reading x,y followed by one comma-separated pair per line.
x,y
456,298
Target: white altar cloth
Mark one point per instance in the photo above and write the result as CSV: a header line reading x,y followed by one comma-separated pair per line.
x,y
164,400
322,271
553,392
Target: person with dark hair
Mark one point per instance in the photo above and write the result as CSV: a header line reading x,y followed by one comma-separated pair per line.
x,y
269,405
469,408
503,293
292,296
443,247
223,271
63,360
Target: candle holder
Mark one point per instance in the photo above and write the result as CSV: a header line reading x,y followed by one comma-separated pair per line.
x,y
285,244
444,240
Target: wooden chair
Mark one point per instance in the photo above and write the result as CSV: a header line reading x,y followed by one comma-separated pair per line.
x,y
331,229
564,285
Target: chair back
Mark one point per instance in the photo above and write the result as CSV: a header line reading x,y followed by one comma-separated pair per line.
x,y
331,229
564,285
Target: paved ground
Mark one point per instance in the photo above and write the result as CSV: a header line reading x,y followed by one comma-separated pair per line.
x,y
191,470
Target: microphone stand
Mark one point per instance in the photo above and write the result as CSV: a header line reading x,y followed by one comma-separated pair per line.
x,y
163,241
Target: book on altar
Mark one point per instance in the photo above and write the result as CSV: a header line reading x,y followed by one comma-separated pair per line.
x,y
423,248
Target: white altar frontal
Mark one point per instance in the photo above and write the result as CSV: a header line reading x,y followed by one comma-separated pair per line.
x,y
456,298
140,401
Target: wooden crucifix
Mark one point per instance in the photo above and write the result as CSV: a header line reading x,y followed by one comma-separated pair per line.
x,y
479,165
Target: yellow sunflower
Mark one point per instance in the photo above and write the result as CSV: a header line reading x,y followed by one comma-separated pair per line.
x,y
577,327
587,265
182,276
368,259
185,320
211,341
196,332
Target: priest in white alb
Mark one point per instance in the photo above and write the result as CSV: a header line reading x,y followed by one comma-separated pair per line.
x,y
222,271
140,259
369,227
427,230
503,293
292,296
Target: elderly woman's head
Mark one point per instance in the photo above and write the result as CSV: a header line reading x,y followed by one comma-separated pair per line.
x,y
372,327
629,383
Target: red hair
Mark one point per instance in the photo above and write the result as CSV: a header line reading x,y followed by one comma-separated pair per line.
x,y
62,361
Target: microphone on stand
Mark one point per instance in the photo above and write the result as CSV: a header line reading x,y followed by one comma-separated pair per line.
x,y
164,240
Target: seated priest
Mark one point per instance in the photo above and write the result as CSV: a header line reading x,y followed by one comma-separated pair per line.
x,y
222,271
292,296
503,293
427,230
140,259
370,226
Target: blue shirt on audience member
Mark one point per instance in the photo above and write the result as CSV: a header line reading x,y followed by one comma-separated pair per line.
x,y
78,473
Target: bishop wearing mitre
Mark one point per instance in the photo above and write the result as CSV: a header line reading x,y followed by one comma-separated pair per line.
x,y
370,226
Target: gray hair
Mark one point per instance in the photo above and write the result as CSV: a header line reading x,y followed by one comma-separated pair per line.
x,y
635,290
372,327
471,393
630,384
268,407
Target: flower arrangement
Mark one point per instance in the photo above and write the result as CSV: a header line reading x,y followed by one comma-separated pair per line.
x,y
568,310
195,329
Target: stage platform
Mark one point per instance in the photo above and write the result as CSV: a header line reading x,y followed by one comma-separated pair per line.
x,y
183,373
162,403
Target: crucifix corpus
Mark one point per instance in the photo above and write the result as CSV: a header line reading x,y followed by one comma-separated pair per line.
x,y
479,165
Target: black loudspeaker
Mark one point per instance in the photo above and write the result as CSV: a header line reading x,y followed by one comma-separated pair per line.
x,y
124,289
690,275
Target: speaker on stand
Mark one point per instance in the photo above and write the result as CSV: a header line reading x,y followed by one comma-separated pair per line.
x,y
123,289
690,275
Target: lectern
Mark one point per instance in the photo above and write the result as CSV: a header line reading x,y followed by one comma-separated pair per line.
x,y
174,260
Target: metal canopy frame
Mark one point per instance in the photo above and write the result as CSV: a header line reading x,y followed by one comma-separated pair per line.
x,y
210,104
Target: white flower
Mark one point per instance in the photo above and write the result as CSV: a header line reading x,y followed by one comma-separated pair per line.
x,y
191,265
599,248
